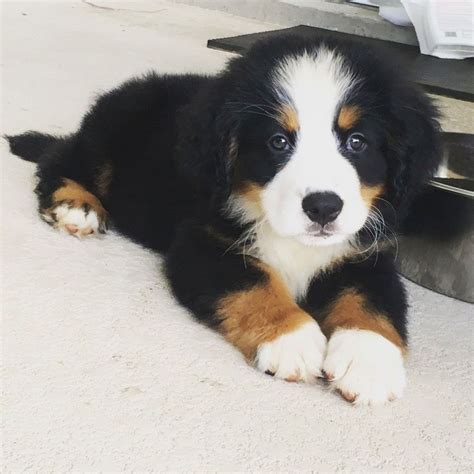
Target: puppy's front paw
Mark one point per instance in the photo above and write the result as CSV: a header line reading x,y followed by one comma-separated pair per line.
x,y
364,367
294,356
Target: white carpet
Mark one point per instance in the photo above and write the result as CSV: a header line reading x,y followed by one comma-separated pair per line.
x,y
104,372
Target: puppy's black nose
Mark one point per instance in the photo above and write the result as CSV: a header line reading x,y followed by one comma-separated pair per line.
x,y
322,207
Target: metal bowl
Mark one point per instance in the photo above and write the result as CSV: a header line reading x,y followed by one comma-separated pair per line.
x,y
436,248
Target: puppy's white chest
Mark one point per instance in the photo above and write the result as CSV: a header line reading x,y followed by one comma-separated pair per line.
x,y
296,263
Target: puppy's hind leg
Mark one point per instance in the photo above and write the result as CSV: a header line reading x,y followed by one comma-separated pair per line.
x,y
73,209
69,180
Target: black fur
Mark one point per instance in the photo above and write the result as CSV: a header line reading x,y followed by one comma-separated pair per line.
x,y
31,145
170,139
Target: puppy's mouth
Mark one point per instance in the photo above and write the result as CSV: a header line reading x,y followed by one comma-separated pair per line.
x,y
322,235
317,230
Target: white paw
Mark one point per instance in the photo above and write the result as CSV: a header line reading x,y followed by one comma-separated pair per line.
x,y
294,356
364,367
78,221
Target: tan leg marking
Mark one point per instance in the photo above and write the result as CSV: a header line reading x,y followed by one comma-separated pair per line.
x,y
348,116
260,314
77,196
350,311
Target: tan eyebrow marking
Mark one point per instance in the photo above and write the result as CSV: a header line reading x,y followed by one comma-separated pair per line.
x,y
348,116
288,118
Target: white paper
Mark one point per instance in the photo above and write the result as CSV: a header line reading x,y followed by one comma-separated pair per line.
x,y
444,28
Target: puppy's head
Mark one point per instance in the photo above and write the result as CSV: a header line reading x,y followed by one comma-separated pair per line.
x,y
322,140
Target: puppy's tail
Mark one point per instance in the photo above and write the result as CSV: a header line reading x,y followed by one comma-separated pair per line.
x,y
30,146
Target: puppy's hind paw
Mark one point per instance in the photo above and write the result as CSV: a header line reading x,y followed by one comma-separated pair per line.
x,y
80,221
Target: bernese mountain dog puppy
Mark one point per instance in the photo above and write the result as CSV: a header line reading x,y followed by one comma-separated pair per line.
x,y
273,190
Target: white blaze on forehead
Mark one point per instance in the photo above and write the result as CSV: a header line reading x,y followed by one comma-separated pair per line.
x,y
314,84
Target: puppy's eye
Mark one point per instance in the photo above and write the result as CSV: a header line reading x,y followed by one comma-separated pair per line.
x,y
356,143
279,143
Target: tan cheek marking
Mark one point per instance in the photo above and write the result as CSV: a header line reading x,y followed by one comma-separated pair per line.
x,y
77,196
348,116
104,178
288,118
253,193
260,314
371,193
349,311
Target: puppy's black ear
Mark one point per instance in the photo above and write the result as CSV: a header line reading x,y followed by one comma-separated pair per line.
x,y
414,146
206,143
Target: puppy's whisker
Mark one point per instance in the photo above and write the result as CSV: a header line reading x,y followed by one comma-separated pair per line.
x,y
379,231
386,227
261,109
251,234
374,227
241,242
388,203
240,239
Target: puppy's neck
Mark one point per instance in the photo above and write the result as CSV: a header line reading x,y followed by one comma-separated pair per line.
x,y
297,263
